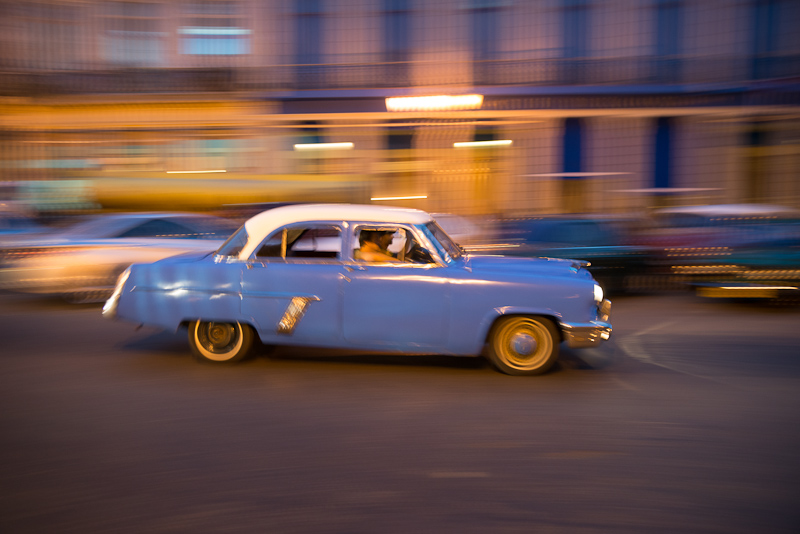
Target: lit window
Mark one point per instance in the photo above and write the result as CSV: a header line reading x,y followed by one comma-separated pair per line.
x,y
214,29
131,36
51,33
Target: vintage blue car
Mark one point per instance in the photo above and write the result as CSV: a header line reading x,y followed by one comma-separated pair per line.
x,y
306,275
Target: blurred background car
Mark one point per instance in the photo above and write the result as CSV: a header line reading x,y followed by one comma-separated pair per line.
x,y
463,230
729,250
81,262
715,225
615,262
15,219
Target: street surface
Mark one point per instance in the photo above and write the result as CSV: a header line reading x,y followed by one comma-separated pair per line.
x,y
687,421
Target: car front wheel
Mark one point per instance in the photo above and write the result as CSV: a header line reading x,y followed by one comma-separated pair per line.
x,y
220,342
522,345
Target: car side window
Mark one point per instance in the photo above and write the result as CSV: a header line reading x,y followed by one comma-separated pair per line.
x,y
376,244
306,241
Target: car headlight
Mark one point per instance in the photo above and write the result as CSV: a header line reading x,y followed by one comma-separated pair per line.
x,y
598,293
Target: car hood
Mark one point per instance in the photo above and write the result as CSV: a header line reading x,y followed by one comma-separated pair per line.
x,y
540,266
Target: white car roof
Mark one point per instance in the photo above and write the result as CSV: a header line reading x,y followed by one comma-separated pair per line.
x,y
259,226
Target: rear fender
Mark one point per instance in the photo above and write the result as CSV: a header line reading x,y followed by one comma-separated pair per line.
x,y
169,294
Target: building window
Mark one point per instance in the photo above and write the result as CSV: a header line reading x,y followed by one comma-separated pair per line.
x,y
484,134
485,23
51,34
575,29
575,41
756,162
310,161
311,133
132,36
573,188
772,23
214,29
662,172
573,141
668,22
399,138
308,32
397,30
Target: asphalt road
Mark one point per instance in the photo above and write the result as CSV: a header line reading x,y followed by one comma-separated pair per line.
x,y
687,421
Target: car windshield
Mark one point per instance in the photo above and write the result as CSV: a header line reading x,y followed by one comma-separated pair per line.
x,y
444,245
234,244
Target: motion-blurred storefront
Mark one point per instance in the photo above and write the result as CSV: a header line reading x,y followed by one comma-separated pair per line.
x,y
583,106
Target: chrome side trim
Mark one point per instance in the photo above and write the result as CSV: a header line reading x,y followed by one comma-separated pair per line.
x,y
294,312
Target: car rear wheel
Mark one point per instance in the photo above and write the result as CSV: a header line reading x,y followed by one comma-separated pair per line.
x,y
220,342
523,345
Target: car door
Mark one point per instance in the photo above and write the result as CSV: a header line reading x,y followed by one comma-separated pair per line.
x,y
290,287
396,305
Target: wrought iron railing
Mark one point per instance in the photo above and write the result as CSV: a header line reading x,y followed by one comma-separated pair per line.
x,y
349,73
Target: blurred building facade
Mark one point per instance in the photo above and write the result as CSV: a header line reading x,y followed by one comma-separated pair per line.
x,y
588,106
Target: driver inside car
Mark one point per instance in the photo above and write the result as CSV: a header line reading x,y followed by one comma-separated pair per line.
x,y
375,246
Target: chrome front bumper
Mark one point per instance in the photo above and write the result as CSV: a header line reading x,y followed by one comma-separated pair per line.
x,y
591,334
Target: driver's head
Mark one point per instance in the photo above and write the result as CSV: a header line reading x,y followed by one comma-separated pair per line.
x,y
383,238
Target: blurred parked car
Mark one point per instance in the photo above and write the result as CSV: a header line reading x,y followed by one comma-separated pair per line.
x,y
16,224
729,250
690,228
81,262
296,275
616,263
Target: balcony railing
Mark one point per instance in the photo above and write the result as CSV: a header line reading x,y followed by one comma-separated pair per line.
x,y
348,73
50,83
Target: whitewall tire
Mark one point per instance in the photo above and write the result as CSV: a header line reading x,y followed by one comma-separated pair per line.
x,y
219,342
